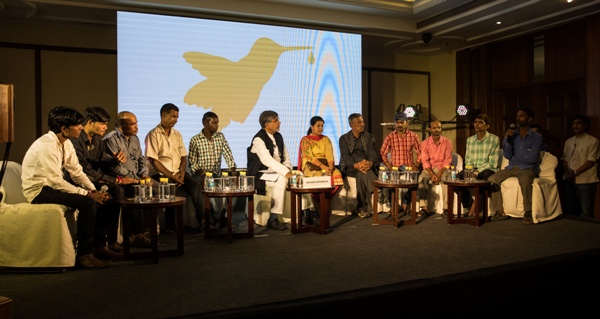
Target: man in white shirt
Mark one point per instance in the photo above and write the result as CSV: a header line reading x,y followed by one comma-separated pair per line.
x,y
44,182
168,158
268,153
579,160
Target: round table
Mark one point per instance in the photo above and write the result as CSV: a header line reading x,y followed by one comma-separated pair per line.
x,y
229,197
324,209
153,207
482,192
396,221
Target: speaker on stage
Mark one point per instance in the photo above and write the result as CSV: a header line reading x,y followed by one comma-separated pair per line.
x,y
7,113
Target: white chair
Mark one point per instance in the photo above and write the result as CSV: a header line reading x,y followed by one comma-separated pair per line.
x,y
545,202
33,235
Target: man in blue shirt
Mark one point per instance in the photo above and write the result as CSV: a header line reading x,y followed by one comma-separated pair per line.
x,y
521,146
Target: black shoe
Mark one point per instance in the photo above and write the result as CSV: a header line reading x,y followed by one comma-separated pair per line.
x,y
307,218
316,218
276,225
104,253
90,262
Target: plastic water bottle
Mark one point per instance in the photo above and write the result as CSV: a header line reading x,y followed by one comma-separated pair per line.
x,y
149,188
143,191
163,190
468,173
209,182
446,175
383,175
453,174
395,175
294,180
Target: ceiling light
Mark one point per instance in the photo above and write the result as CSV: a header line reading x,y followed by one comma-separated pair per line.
x,y
498,22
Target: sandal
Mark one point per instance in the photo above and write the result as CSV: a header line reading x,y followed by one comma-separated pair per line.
x,y
422,213
499,216
527,218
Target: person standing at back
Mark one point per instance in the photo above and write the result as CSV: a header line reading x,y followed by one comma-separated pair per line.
x,y
44,182
521,147
580,158
403,145
168,158
360,159
207,148
436,155
269,163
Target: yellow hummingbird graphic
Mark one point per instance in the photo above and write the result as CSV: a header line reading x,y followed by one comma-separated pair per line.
x,y
233,88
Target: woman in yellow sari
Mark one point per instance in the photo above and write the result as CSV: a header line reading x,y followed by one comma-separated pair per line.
x,y
315,157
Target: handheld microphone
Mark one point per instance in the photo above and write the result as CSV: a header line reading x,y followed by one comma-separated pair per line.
x,y
512,127
385,124
104,188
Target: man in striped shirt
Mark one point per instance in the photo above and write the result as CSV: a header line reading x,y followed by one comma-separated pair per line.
x,y
399,149
206,150
482,153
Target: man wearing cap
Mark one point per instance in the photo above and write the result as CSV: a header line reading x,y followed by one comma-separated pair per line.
x,y
403,144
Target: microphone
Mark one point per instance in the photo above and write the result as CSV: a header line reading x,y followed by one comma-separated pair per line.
x,y
104,188
512,127
385,124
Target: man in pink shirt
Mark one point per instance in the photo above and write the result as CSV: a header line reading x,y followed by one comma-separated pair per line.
x,y
436,154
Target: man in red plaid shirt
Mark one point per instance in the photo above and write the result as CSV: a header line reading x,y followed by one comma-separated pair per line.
x,y
402,144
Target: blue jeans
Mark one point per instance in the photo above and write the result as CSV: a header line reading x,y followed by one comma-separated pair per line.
x,y
580,199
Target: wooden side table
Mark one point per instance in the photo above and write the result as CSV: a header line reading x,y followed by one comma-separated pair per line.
x,y
229,198
482,192
153,207
396,221
324,209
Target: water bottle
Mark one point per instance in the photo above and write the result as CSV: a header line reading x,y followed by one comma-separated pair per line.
x,y
294,180
243,181
149,188
395,175
143,191
453,174
446,175
383,174
163,190
468,173
209,182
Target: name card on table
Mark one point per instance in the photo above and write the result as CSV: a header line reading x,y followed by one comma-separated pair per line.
x,y
316,182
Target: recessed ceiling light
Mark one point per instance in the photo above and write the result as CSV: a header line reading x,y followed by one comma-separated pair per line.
x,y
498,22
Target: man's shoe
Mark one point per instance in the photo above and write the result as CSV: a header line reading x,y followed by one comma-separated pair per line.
x,y
527,218
140,240
116,247
364,214
90,262
499,216
307,217
276,225
104,253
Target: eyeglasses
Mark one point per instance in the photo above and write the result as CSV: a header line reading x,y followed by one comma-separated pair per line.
x,y
275,120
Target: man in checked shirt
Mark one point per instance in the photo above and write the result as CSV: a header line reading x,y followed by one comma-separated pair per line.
x,y
403,144
206,150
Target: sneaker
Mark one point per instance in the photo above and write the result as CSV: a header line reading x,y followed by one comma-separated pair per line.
x,y
90,262
276,225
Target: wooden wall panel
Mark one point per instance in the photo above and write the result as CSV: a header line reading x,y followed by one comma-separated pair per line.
x,y
510,65
565,51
